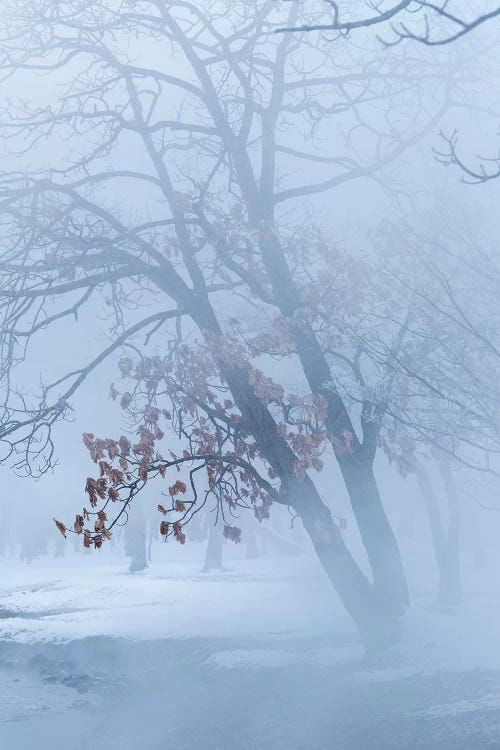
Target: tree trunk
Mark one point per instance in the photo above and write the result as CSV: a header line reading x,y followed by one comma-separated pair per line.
x,y
378,626
195,528
213,556
453,579
376,533
449,587
355,460
376,622
135,541
252,546
474,540
280,545
150,544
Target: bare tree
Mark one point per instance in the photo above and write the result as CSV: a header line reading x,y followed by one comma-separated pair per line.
x,y
419,350
451,346
433,24
430,23
173,194
446,401
445,535
485,169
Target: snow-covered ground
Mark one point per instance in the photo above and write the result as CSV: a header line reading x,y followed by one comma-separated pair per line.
x,y
94,657
272,597
74,599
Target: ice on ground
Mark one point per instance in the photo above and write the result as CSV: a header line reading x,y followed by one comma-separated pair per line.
x,y
262,658
457,708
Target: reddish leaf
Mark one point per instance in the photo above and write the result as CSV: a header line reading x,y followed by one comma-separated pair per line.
x,y
78,525
233,533
178,532
61,527
178,488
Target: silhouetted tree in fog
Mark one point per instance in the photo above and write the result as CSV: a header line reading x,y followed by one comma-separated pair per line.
x,y
431,23
445,533
431,366
434,24
180,190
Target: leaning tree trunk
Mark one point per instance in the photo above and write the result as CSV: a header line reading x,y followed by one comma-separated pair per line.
x,y
356,459
376,532
445,549
376,624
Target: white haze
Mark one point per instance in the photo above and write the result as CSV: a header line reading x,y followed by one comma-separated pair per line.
x,y
260,653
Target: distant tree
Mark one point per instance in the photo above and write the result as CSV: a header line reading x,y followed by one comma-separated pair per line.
x,y
445,534
426,344
441,279
213,556
135,541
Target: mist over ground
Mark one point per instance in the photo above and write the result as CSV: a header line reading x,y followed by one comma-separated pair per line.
x,y
249,355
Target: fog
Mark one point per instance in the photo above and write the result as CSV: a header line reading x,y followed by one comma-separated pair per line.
x,y
249,355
